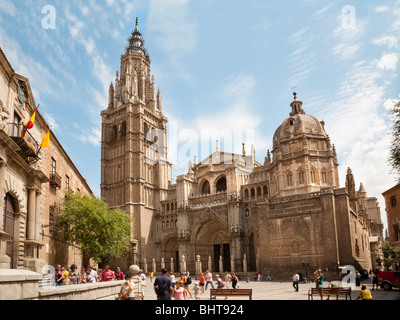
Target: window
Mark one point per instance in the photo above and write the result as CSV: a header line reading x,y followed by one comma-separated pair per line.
x,y
312,175
393,201
289,179
15,129
206,188
301,177
52,213
323,174
221,184
66,183
53,166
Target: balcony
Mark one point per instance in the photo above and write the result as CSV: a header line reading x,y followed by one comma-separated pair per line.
x,y
55,180
29,146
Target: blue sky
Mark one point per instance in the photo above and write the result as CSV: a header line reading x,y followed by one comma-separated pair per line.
x,y
222,65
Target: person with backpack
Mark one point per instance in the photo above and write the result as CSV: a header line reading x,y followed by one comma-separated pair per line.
x,y
186,282
163,286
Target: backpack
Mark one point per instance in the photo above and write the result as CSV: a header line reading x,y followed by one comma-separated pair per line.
x,y
188,280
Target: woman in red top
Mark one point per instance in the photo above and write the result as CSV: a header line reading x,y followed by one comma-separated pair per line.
x,y
202,282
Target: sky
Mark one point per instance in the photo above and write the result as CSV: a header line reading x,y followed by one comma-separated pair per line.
x,y
223,68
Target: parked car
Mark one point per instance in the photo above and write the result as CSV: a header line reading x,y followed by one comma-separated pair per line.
x,y
389,279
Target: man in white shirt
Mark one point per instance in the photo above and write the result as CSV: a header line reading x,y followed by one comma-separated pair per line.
x,y
296,279
92,275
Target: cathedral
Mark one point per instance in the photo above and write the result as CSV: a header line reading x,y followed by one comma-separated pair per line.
x,y
228,211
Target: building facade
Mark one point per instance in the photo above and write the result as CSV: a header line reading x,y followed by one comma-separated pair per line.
x,y
31,187
392,204
228,212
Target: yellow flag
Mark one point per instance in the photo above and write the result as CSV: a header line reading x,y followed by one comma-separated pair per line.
x,y
46,141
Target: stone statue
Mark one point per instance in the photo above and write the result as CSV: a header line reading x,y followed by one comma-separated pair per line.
x,y
21,98
4,116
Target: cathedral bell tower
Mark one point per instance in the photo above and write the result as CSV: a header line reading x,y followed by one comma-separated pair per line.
x,y
135,172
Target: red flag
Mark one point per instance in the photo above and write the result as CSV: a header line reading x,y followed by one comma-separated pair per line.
x,y
31,122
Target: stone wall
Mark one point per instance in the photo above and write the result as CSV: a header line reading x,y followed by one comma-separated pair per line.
x,y
18,284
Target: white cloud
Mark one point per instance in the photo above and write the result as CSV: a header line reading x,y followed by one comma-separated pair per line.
x,y
391,41
7,7
359,127
388,62
172,30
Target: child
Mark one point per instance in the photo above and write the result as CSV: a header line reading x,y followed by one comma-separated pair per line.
x,y
196,290
179,292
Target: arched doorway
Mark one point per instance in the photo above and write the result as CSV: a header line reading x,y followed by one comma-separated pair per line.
x,y
9,222
171,251
212,240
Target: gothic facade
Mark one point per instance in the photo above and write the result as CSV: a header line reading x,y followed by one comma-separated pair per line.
x,y
228,212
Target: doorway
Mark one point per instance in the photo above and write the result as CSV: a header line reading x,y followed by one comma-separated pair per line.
x,y
224,251
9,220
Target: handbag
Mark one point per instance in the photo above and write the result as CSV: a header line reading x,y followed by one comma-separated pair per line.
x,y
124,297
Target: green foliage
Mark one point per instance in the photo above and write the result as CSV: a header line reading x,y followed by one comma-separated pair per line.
x,y
394,156
101,234
390,257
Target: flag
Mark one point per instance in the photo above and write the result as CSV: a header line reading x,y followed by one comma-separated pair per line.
x,y
31,122
46,141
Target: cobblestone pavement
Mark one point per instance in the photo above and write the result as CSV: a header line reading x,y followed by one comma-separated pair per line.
x,y
275,290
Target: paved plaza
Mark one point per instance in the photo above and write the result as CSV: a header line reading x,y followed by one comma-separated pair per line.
x,y
275,290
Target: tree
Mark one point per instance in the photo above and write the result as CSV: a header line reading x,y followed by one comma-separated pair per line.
x,y
390,257
394,156
102,234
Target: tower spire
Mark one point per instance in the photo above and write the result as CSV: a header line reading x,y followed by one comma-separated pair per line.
x,y
136,42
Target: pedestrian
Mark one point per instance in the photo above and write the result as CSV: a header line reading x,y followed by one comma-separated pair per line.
x,y
358,279
82,278
365,294
375,280
186,282
319,282
172,277
179,292
65,276
74,275
296,279
209,279
107,274
91,275
142,277
268,276
126,292
202,281
151,276
227,279
58,276
235,281
163,286
196,290
220,284
119,275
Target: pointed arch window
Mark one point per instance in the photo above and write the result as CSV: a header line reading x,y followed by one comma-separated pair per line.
x,y
301,177
289,180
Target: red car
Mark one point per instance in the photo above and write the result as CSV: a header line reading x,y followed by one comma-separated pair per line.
x,y
389,279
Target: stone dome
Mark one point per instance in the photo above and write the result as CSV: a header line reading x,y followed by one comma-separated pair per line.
x,y
299,124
